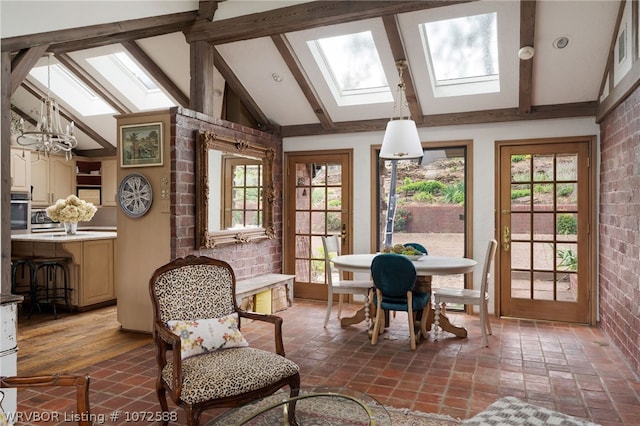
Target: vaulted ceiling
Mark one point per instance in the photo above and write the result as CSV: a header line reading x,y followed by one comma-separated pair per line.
x,y
263,69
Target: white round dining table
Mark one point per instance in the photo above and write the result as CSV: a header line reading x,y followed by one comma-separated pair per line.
x,y
426,265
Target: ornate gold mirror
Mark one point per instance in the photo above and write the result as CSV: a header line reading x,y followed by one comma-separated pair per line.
x,y
234,191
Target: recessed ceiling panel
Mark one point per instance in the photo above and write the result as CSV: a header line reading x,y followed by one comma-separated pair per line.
x,y
573,73
264,74
171,53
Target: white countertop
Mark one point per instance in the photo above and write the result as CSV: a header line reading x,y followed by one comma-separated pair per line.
x,y
61,237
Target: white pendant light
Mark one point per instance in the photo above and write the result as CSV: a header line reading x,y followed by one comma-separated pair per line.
x,y
401,140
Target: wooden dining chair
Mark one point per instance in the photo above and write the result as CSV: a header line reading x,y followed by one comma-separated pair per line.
x,y
203,360
336,284
394,277
81,383
464,296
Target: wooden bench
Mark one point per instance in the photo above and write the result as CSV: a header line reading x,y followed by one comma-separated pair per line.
x,y
251,286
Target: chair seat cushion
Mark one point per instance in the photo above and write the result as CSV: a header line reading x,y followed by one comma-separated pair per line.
x,y
229,372
361,286
420,300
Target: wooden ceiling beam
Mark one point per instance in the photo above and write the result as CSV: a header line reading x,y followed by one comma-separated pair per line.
x,y
101,35
301,17
304,82
579,109
399,53
156,72
92,83
22,63
527,37
207,9
79,124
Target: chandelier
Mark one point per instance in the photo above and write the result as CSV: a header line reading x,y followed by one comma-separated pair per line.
x,y
401,140
48,136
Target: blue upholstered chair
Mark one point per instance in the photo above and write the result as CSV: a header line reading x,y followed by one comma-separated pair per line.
x,y
394,277
417,246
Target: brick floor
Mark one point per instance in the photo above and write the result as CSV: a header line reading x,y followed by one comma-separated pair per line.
x,y
564,367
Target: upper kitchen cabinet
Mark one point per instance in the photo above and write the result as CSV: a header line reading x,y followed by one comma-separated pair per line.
x,y
109,182
52,177
20,170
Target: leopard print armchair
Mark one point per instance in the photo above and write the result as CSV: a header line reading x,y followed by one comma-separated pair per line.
x,y
224,372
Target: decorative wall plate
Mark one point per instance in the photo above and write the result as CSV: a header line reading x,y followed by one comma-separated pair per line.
x,y
135,195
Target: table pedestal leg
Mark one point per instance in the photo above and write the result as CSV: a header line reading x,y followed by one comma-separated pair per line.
x,y
423,284
358,317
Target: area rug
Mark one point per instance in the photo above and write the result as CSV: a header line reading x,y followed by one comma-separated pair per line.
x,y
510,411
323,411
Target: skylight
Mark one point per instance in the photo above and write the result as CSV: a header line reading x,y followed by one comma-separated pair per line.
x,y
352,68
463,51
133,68
131,80
66,87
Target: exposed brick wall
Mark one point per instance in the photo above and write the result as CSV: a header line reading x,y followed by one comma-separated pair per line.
x,y
619,251
247,260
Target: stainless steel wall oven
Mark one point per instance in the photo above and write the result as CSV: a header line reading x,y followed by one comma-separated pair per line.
x,y
20,212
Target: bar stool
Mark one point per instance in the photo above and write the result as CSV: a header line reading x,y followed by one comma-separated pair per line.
x,y
25,285
49,288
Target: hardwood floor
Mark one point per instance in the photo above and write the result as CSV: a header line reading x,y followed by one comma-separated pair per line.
x,y
74,341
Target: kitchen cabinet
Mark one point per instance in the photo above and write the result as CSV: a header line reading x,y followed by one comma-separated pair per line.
x,y
20,170
109,182
52,177
91,270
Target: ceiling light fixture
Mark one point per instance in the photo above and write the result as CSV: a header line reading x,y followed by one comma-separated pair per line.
x,y
48,136
277,77
525,53
561,42
401,142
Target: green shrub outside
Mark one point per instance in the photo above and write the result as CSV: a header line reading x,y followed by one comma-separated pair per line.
x,y
518,193
428,186
400,220
566,224
454,193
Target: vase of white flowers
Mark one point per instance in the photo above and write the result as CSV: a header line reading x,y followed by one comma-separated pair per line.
x,y
70,211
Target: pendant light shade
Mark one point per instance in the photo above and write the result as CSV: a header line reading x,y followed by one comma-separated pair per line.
x,y
401,141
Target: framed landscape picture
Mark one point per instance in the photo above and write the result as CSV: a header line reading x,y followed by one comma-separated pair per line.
x,y
141,145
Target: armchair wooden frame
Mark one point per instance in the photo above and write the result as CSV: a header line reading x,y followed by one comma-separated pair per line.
x,y
81,383
167,341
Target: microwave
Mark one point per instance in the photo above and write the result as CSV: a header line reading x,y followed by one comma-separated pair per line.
x,y
20,213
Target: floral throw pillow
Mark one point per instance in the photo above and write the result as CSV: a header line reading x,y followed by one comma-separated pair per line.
x,y
206,335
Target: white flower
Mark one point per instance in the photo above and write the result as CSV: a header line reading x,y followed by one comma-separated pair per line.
x,y
71,209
